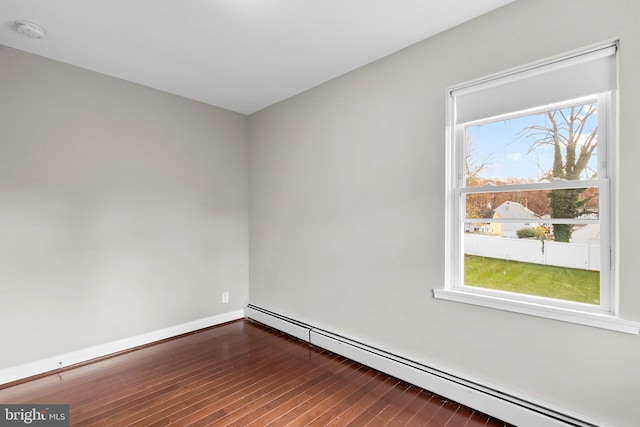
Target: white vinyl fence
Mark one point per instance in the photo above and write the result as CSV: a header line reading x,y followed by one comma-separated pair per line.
x,y
584,256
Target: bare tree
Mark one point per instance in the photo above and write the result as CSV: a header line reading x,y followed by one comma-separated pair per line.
x,y
474,166
573,146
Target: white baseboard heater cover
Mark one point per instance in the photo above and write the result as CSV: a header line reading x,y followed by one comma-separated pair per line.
x,y
499,404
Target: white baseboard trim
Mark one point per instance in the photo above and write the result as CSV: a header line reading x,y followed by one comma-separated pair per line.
x,y
38,367
501,404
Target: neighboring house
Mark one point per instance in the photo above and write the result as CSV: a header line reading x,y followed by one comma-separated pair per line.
x,y
510,210
477,227
589,233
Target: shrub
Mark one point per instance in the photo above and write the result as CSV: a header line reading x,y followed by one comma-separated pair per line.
x,y
531,232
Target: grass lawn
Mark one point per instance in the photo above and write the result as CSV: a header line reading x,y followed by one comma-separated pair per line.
x,y
533,279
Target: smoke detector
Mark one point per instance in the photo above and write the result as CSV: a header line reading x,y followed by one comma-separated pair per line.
x,y
29,29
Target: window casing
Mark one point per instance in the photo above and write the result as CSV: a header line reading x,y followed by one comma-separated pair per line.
x,y
575,83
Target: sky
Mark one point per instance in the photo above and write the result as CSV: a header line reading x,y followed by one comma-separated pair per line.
x,y
504,147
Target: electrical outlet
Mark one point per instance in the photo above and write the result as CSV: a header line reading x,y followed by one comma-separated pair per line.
x,y
225,297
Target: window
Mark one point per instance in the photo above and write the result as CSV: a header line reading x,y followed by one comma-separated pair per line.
x,y
531,191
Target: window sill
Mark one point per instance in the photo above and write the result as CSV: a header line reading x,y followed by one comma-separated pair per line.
x,y
595,320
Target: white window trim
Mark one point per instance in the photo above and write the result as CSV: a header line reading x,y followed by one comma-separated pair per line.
x,y
603,316
597,320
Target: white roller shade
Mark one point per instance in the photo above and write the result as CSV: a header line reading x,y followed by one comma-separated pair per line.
x,y
580,75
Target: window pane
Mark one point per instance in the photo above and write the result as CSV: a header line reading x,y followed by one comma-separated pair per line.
x,y
556,144
535,204
535,265
528,214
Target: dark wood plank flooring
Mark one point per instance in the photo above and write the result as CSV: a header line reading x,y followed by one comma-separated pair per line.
x,y
238,374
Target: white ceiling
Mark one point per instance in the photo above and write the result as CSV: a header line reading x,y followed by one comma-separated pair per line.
x,y
242,55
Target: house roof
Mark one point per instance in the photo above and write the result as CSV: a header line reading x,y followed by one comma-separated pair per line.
x,y
511,209
586,233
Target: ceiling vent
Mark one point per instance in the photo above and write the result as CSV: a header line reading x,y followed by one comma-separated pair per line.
x,y
29,29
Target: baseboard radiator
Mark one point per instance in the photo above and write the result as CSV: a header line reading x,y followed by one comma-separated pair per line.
x,y
499,404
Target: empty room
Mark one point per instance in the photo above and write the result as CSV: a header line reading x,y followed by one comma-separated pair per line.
x,y
319,212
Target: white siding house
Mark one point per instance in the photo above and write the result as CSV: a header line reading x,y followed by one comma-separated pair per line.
x,y
510,210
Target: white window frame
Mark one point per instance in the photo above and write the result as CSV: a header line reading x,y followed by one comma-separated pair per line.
x,y
604,315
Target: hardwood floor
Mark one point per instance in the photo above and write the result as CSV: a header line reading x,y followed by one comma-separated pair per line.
x,y
238,374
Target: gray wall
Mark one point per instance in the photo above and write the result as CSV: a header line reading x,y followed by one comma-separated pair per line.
x,y
347,211
123,210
